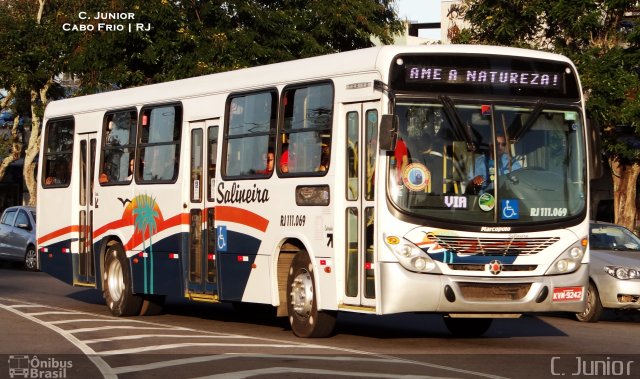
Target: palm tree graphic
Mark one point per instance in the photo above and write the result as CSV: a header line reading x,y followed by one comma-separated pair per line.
x,y
145,216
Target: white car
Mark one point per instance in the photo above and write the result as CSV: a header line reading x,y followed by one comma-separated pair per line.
x,y
18,236
614,271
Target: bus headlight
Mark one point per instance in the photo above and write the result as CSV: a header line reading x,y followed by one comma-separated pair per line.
x,y
410,256
568,261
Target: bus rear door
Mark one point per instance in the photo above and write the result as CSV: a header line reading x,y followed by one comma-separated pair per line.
x,y
84,263
202,275
361,150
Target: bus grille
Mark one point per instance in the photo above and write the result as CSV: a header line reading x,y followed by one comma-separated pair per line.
x,y
481,267
493,246
494,292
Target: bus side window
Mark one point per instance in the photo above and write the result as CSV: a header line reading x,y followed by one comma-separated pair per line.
x,y
308,113
211,159
118,147
58,153
372,151
249,134
158,152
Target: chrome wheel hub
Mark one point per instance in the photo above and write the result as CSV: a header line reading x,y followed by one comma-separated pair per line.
x,y
115,280
302,294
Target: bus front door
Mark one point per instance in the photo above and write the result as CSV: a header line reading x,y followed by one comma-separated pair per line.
x,y
84,260
202,280
361,150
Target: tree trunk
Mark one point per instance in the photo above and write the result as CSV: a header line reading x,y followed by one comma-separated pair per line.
x,y
29,168
17,144
16,148
625,180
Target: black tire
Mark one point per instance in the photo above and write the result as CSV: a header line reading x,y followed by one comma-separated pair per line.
x,y
152,305
467,327
116,286
593,308
305,319
31,259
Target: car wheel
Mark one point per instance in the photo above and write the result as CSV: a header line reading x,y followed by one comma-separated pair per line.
x,y
302,307
593,309
31,259
117,288
467,327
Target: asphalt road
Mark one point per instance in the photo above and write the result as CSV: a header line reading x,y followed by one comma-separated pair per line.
x,y
50,329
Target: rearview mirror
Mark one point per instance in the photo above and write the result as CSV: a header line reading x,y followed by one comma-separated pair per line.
x,y
595,149
388,131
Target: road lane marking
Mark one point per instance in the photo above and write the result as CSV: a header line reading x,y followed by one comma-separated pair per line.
x,y
143,349
142,336
52,313
87,320
310,371
111,327
111,372
101,365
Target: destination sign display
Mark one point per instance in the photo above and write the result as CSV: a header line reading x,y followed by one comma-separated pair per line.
x,y
483,76
475,74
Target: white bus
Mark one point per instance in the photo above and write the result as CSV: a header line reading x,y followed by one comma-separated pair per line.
x,y
362,181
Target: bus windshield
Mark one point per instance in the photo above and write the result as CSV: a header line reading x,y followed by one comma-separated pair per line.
x,y
488,163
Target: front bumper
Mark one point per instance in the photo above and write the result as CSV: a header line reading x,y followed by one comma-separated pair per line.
x,y
619,294
405,291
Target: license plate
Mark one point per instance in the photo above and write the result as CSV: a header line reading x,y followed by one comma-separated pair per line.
x,y
567,293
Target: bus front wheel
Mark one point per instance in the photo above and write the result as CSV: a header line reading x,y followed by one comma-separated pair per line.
x,y
117,287
467,327
302,307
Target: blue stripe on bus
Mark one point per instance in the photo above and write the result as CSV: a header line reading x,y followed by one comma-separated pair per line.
x,y
235,265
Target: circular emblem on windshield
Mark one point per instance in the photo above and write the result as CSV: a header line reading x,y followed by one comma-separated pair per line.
x,y
486,202
416,177
495,267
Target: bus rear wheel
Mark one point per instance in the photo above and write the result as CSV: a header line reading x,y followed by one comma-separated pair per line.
x,y
305,319
467,327
117,287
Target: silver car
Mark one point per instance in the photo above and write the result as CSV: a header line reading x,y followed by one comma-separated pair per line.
x,y
614,271
18,236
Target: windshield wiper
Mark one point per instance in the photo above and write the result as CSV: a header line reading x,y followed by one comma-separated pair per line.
x,y
535,113
460,130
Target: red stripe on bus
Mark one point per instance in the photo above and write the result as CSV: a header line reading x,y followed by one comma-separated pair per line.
x,y
241,216
58,233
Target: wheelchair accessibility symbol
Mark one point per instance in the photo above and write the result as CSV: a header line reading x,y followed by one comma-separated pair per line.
x,y
221,238
510,209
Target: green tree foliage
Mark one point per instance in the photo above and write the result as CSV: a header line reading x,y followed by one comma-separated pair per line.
x,y
603,44
40,39
190,38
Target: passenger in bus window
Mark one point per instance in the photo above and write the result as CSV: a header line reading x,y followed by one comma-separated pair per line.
x,y
324,158
284,158
402,158
270,161
486,166
130,176
59,174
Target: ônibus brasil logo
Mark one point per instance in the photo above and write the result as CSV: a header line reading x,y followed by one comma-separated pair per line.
x,y
24,366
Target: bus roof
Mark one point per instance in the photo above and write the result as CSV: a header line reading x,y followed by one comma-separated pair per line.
x,y
375,59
